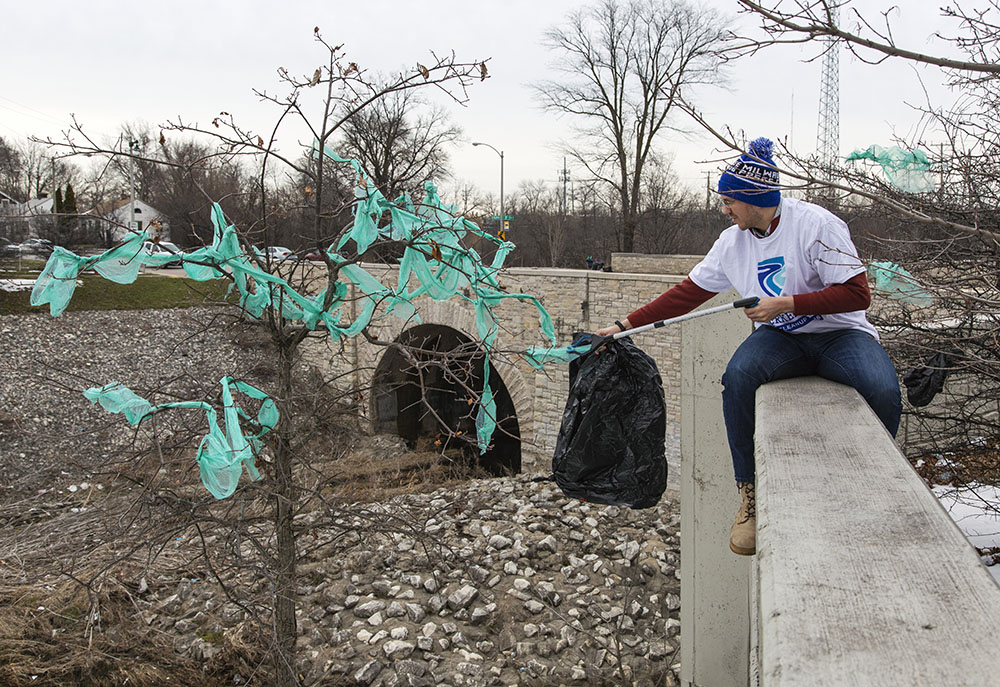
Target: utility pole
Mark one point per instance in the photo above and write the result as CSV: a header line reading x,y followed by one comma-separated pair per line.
x,y
132,146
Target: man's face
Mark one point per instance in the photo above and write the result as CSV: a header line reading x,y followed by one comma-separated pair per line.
x,y
742,214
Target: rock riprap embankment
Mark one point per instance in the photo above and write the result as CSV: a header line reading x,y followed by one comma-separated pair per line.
x,y
519,586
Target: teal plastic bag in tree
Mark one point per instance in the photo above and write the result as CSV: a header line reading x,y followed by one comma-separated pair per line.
x,y
225,451
892,280
907,170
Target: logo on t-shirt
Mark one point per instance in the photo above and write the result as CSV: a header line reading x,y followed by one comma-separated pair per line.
x,y
771,275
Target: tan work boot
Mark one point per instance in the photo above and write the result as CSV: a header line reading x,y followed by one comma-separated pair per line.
x,y
743,535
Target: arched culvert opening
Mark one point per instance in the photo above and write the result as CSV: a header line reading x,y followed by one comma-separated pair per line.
x,y
425,398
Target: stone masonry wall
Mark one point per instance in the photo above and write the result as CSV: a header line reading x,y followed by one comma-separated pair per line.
x,y
576,300
641,263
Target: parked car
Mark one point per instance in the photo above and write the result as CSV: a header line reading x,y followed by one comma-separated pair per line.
x,y
163,248
8,249
279,253
314,255
37,246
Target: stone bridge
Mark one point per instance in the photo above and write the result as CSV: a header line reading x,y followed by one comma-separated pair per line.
x,y
530,402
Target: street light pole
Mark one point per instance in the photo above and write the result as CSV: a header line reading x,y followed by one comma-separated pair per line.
x,y
132,147
500,153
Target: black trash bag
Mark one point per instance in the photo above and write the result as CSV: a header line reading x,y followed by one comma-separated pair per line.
x,y
924,383
610,447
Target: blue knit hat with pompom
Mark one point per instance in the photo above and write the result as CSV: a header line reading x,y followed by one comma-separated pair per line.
x,y
753,178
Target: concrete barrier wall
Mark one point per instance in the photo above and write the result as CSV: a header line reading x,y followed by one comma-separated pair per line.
x,y
860,577
863,577
714,581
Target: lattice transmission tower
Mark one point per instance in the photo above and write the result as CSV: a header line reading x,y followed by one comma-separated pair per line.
x,y
828,136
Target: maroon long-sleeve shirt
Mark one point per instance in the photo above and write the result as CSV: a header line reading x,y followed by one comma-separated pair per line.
x,y
852,295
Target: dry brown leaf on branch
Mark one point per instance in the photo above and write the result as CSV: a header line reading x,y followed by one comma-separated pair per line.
x,y
482,71
163,140
423,71
316,74
260,142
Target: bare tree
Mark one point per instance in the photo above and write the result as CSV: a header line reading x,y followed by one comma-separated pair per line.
x,y
625,65
179,191
268,518
39,172
402,142
472,201
871,39
665,210
10,168
538,227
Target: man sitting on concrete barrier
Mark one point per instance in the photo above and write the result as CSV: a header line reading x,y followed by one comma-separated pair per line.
x,y
799,259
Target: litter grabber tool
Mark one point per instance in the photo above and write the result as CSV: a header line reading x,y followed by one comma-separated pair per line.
x,y
593,342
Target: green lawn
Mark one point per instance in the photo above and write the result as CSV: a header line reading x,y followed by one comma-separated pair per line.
x,y
150,290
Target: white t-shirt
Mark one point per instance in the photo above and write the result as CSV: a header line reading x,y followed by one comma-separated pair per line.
x,y
809,250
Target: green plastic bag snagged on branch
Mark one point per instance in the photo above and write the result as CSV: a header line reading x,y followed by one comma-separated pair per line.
x,y
222,453
907,170
894,281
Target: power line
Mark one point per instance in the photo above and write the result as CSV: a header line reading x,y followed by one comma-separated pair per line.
x,y
27,110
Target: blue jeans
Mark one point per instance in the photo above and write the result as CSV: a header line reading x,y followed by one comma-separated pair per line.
x,y
847,356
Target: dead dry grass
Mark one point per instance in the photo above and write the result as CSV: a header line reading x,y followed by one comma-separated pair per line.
x,y
61,635
69,608
410,472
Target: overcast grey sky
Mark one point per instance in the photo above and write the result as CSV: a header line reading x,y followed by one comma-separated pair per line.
x,y
111,61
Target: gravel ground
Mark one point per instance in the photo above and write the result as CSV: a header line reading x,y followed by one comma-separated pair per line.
x,y
50,434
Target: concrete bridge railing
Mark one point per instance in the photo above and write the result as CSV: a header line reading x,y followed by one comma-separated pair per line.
x,y
861,577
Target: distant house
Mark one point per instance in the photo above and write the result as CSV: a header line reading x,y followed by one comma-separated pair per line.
x,y
112,219
30,219
36,207
105,224
8,225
